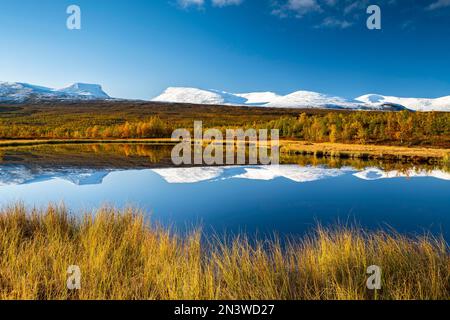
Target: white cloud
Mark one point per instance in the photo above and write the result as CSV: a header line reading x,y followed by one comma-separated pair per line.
x,y
200,3
352,7
225,3
339,14
439,4
303,6
297,7
190,3
331,22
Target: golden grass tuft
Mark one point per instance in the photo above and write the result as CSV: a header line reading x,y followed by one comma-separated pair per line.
x,y
121,256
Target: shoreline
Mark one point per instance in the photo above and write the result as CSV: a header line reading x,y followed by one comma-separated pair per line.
x,y
287,147
367,152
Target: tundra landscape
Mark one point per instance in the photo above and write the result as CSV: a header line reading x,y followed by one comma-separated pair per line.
x,y
216,158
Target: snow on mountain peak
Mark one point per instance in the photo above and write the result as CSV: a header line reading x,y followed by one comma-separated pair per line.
x,y
258,98
310,99
85,89
371,98
198,96
18,92
416,104
21,92
299,99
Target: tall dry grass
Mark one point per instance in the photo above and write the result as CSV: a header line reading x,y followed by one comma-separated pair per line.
x,y
122,257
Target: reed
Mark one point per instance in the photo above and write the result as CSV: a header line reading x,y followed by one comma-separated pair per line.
x,y
122,256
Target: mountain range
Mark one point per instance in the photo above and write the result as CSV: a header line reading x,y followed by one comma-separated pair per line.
x,y
17,92
301,99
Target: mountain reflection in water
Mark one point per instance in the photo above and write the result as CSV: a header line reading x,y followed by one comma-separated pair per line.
x,y
289,199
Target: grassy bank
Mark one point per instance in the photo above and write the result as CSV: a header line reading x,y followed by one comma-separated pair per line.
x,y
122,257
360,151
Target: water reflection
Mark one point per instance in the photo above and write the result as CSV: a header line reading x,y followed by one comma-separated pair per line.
x,y
84,164
287,199
22,174
290,172
138,155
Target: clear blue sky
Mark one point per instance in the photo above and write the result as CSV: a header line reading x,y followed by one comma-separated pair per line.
x,y
136,49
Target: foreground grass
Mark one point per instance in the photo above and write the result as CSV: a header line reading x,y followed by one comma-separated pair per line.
x,y
122,257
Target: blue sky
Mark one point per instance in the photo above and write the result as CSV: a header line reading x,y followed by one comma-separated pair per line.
x,y
137,48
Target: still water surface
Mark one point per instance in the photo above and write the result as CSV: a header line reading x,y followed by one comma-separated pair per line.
x,y
288,200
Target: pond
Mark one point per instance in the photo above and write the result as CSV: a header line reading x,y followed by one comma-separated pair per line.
x,y
289,199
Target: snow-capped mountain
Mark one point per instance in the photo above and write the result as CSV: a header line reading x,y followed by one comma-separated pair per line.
x,y
198,96
18,92
258,98
299,99
308,99
21,92
416,104
93,91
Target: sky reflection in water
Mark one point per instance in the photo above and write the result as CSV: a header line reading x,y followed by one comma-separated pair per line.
x,y
286,199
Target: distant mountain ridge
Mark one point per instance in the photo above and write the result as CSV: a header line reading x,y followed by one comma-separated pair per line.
x,y
301,99
19,92
416,104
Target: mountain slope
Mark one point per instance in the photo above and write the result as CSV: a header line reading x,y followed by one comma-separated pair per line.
x,y
198,96
21,92
416,104
309,99
94,91
258,98
299,99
